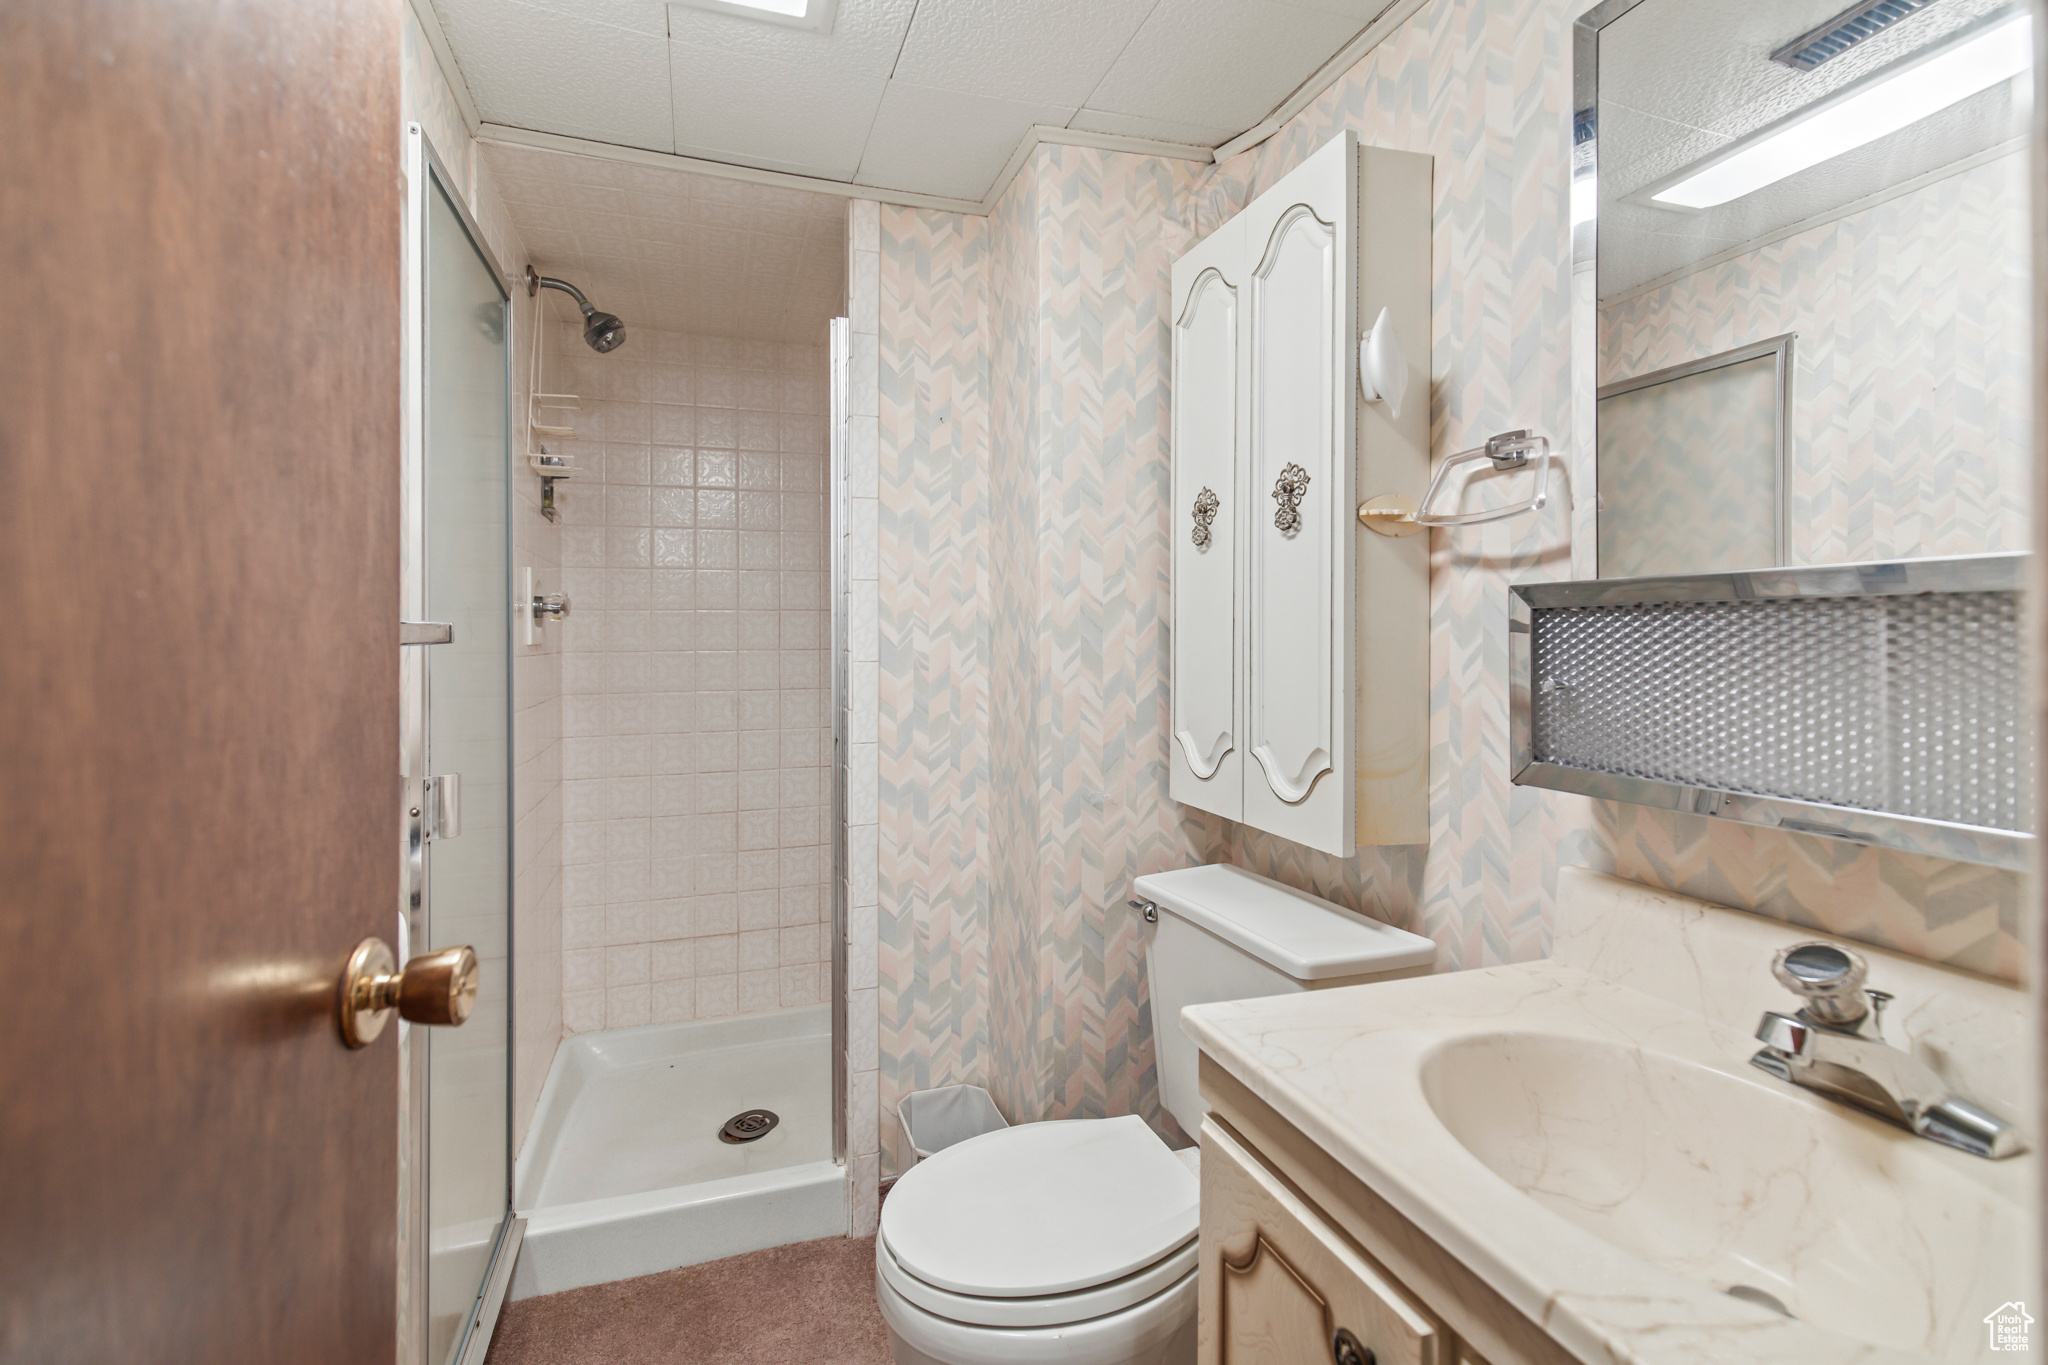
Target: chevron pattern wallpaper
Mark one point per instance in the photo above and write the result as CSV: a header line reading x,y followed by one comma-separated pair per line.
x,y
1080,353
935,703
1484,86
1024,587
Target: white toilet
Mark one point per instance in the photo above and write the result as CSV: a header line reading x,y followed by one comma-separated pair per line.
x,y
1075,1242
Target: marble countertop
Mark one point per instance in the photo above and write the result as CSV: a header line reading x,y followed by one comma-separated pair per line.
x,y
1351,1069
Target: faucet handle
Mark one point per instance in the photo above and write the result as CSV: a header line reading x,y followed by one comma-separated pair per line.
x,y
1829,978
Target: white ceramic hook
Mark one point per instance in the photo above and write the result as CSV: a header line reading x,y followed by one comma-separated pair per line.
x,y
1383,365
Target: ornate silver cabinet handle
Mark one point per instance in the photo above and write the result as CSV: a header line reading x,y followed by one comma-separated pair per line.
x,y
1206,503
1288,490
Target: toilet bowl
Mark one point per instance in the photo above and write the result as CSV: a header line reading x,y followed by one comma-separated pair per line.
x,y
1063,1241
1075,1241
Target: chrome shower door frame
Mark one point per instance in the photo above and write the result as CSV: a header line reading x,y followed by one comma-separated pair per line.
x,y
838,529
424,169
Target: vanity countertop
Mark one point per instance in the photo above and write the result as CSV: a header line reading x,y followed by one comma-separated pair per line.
x,y
1634,1115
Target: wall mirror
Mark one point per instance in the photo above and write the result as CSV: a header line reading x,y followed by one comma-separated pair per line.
x,y
1808,225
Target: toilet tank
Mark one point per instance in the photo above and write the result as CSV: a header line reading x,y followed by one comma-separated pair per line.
x,y
1228,934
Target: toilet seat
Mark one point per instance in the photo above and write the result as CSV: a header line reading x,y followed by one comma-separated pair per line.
x,y
1157,1331
1042,1224
1057,1310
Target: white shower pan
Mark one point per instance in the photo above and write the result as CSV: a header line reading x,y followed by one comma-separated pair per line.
x,y
624,1173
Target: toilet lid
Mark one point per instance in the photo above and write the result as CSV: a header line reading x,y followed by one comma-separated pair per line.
x,y
1042,1208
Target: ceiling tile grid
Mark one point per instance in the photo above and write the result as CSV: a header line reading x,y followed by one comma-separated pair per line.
x,y
922,96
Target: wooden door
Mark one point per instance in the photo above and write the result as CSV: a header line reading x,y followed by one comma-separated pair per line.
x,y
1208,517
1299,549
198,790
1278,1284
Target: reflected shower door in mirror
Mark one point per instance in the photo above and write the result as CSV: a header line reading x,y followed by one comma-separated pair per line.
x,y
1812,279
1692,464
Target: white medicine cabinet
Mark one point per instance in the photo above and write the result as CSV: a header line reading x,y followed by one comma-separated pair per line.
x,y
1300,639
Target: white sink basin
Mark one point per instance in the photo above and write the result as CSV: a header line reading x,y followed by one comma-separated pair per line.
x,y
1586,1135
1728,1177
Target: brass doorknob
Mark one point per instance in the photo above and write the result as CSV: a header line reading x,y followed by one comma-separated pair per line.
x,y
434,988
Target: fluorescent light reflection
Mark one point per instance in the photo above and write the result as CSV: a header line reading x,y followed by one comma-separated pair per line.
x,y
1872,111
793,9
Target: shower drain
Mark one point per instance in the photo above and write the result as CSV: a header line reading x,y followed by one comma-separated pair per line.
x,y
750,1126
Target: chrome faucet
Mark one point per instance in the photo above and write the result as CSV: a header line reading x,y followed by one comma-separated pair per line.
x,y
1835,1045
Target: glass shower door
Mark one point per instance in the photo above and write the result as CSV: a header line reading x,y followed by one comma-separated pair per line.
x,y
462,772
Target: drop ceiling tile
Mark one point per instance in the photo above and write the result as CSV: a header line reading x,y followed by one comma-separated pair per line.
x,y
1224,63
763,113
536,68
944,142
1165,130
864,40
1052,51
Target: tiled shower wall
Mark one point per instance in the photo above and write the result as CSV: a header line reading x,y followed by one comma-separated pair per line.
x,y
1005,958
696,739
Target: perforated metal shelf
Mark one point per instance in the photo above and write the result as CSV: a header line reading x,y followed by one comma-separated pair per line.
x,y
1879,702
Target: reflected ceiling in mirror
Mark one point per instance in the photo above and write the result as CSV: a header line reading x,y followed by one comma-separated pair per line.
x,y
1682,84
1898,266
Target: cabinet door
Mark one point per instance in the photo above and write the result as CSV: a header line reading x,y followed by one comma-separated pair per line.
x,y
1299,551
1208,510
1278,1283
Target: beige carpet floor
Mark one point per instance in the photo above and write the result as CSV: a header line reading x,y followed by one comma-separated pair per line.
x,y
813,1302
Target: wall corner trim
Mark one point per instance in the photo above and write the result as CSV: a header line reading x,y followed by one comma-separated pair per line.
x,y
638,156
1046,134
1394,14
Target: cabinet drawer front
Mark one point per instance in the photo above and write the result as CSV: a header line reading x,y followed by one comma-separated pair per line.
x,y
1277,1282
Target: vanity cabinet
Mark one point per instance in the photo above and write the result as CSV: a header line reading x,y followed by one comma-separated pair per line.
x,y
1294,1247
1279,1285
1300,640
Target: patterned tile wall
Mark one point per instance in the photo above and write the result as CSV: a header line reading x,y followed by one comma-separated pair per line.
x,y
1076,285
1910,393
695,733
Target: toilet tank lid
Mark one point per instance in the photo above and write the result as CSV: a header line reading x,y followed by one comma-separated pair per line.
x,y
1291,931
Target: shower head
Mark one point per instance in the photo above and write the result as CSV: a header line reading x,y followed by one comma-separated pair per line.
x,y
603,331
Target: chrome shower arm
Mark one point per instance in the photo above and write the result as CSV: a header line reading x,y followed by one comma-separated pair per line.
x,y
535,282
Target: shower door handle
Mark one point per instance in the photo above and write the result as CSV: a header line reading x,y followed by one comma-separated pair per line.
x,y
441,799
426,633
